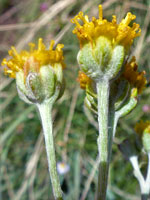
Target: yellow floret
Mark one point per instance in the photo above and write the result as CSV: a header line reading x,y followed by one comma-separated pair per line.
x,y
135,78
33,59
121,33
84,80
141,126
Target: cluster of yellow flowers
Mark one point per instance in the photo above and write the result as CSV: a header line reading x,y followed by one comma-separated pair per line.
x,y
110,80
33,59
84,80
117,33
135,78
120,33
103,61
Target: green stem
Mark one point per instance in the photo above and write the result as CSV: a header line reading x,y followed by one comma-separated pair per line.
x,y
103,105
45,110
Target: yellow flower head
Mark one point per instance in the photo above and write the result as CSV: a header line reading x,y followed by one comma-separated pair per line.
x,y
135,78
142,126
89,31
32,60
84,80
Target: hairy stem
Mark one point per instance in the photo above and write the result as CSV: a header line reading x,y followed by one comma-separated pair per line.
x,y
45,110
103,105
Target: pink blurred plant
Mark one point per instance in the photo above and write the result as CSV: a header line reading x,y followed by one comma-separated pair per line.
x,y
146,108
43,6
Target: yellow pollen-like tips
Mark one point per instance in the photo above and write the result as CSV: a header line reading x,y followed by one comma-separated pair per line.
x,y
84,80
141,126
33,59
121,33
135,78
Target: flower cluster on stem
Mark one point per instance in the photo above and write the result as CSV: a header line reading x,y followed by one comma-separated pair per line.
x,y
39,79
111,81
108,75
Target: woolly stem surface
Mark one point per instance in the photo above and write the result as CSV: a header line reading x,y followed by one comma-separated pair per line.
x,y
103,122
45,110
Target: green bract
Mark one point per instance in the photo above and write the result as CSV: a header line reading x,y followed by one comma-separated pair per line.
x,y
102,60
41,86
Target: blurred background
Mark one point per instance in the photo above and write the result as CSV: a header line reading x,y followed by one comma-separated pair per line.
x,y
23,164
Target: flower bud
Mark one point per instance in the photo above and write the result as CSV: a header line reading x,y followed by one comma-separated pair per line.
x,y
104,44
38,72
101,60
